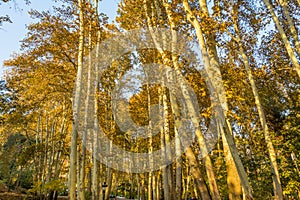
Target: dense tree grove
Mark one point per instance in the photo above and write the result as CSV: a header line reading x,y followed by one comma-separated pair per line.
x,y
53,98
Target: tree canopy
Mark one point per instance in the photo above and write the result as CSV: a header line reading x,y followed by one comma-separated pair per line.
x,y
208,88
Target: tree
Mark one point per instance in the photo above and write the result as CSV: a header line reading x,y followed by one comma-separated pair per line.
x,y
289,49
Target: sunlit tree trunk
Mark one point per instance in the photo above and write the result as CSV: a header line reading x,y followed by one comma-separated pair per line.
x,y
283,35
53,150
89,179
165,177
101,179
187,183
87,91
40,155
76,102
192,160
197,175
202,144
51,158
151,175
143,188
150,150
95,135
214,76
292,27
78,171
35,158
46,148
158,185
109,174
233,181
59,155
154,183
178,169
272,153
95,170
195,170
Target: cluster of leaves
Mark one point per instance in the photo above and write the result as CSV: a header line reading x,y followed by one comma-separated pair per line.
x,y
54,185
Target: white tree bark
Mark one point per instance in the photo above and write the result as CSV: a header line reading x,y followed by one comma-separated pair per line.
x,y
76,103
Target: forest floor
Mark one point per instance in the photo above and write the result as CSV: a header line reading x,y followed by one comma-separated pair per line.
x,y
11,196
15,196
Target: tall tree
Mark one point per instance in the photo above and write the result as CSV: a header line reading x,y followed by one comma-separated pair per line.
x,y
76,105
287,44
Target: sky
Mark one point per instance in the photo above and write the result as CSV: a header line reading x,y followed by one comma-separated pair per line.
x,y
12,33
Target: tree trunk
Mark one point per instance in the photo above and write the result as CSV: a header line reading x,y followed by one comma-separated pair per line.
x,y
165,177
215,83
46,147
292,27
197,175
109,182
287,44
178,170
76,103
201,140
233,180
95,180
195,168
262,118
186,188
87,109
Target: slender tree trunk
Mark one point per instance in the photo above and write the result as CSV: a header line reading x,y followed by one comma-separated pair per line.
x,y
143,193
193,163
233,181
35,158
187,184
45,157
166,134
178,170
95,169
87,121
78,172
215,82
150,177
165,177
154,183
40,162
51,160
101,178
158,186
272,153
201,140
197,175
59,157
109,179
150,143
95,172
76,103
95,180
89,180
292,27
285,40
